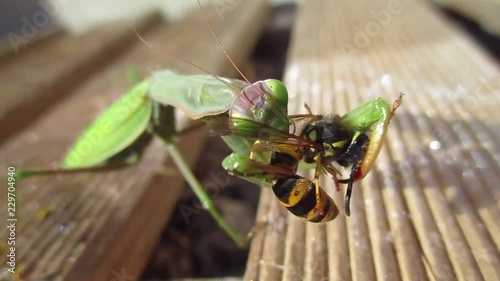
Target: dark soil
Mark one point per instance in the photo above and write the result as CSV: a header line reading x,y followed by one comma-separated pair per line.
x,y
193,245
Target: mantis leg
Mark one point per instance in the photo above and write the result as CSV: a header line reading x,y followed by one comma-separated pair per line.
x,y
200,193
128,157
165,115
22,174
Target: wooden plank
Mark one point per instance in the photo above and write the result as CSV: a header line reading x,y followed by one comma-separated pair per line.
x,y
106,224
8,49
43,74
429,209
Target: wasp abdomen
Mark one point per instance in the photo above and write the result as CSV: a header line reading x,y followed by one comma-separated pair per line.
x,y
298,195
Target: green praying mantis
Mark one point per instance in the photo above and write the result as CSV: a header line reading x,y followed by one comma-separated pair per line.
x,y
253,120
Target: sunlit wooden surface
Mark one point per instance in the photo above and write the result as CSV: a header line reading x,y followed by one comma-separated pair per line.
x,y
429,210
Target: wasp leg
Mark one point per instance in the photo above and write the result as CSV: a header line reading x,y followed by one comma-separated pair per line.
x,y
317,174
349,181
333,172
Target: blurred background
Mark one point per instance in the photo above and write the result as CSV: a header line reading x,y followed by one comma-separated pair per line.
x,y
480,18
78,16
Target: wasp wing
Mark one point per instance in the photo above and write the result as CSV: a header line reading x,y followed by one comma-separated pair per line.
x,y
222,125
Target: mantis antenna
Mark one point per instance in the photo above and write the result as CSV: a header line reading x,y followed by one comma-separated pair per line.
x,y
220,44
183,60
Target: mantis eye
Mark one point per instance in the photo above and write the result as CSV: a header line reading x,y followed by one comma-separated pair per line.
x,y
278,91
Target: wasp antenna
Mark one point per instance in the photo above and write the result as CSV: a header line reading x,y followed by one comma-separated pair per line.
x,y
220,44
164,51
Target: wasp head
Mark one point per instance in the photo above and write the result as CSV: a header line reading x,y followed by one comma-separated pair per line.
x,y
333,137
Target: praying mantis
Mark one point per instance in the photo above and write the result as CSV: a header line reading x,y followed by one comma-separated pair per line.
x,y
253,119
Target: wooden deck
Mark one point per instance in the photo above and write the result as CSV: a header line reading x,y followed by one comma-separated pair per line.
x,y
429,210
100,226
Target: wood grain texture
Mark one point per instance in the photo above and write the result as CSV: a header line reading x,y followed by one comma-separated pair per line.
x,y
429,209
66,61
106,224
9,47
